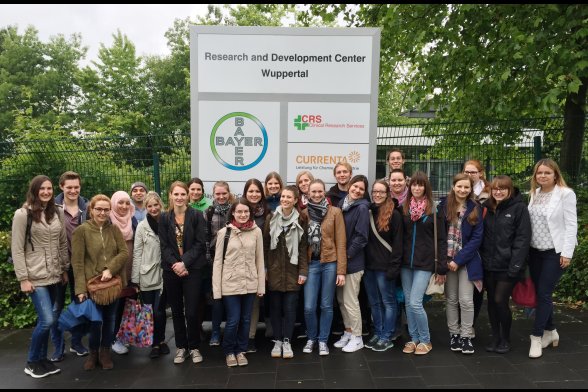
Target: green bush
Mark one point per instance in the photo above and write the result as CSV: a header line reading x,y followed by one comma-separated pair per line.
x,y
16,309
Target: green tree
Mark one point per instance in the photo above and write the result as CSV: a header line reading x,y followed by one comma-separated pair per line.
x,y
478,61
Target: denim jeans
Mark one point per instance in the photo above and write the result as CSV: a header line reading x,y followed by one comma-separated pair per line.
x,y
283,313
381,294
183,295
545,272
43,299
102,334
322,278
77,332
156,298
414,285
238,310
217,308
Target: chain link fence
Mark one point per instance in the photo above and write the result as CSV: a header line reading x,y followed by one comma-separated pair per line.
x,y
437,148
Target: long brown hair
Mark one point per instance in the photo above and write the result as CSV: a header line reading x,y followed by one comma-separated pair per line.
x,y
453,205
275,176
419,178
34,203
500,181
550,163
386,209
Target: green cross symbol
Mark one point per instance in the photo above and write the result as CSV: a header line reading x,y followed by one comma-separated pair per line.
x,y
301,126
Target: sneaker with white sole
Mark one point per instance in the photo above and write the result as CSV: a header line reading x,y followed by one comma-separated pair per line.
x,y
342,342
36,370
354,344
323,348
196,356
308,347
287,349
181,355
277,350
119,348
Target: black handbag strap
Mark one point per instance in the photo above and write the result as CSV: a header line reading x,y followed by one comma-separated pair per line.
x,y
226,242
435,236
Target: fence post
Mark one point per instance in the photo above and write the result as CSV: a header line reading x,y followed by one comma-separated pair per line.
x,y
156,182
537,148
488,169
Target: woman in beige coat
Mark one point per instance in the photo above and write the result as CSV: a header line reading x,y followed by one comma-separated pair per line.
x,y
238,275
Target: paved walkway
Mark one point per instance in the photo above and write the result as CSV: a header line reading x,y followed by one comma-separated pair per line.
x,y
562,367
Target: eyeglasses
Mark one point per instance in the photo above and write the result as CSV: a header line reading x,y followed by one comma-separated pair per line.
x,y
241,212
102,210
499,189
378,192
471,172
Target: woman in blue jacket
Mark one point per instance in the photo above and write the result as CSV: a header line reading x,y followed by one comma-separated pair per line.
x,y
357,226
465,231
418,262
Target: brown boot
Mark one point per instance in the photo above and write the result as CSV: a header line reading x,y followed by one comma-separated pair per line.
x,y
106,358
91,361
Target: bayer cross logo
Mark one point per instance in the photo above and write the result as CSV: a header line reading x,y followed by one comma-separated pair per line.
x,y
299,124
238,141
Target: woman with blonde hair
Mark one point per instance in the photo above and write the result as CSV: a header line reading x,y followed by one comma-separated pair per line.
x,y
554,225
99,248
303,180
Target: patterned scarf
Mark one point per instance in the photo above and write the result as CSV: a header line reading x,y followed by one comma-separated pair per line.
x,y
249,225
417,208
293,231
221,209
316,212
347,203
258,209
401,197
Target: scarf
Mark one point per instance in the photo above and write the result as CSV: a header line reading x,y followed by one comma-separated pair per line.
x,y
401,197
347,203
153,223
316,212
221,209
417,208
123,222
290,225
249,225
273,201
258,209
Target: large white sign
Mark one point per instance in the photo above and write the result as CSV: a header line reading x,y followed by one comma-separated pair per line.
x,y
292,64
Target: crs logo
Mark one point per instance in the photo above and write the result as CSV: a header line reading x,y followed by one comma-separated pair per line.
x,y
238,141
305,120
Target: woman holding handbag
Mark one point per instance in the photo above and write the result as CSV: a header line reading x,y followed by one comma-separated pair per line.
x,y
99,248
39,250
554,225
421,258
465,231
147,272
507,233
382,265
238,277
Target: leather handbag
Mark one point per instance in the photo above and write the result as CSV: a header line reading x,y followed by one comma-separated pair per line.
x,y
433,287
104,292
523,293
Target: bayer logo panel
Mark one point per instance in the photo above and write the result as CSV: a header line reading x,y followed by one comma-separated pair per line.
x,y
241,136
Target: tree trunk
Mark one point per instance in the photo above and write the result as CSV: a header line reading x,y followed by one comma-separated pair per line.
x,y
574,127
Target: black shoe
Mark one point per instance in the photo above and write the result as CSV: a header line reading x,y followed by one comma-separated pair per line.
x,y
155,352
163,349
372,341
455,343
492,346
466,346
251,346
383,345
36,370
503,347
49,366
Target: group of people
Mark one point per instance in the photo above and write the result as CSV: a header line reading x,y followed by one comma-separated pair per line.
x,y
280,245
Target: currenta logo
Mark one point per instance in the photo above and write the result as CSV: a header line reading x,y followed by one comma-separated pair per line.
x,y
304,120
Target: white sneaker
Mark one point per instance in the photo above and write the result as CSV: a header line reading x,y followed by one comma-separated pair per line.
x,y
277,350
196,356
355,343
181,355
119,348
323,348
342,342
287,349
308,347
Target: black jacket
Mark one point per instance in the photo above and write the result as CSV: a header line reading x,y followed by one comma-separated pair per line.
x,y
357,227
194,244
378,258
419,245
507,235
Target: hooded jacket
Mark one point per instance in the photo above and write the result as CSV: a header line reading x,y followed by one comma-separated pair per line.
x,y
507,236
357,228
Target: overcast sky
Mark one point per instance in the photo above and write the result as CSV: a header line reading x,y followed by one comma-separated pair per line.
x,y
144,24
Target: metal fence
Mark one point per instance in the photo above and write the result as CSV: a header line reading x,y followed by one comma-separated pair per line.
x,y
437,148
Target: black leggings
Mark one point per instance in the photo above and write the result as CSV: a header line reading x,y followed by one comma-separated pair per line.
x,y
499,287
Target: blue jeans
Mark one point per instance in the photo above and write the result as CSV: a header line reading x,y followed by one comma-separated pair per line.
x,y
414,285
77,332
102,333
238,310
545,273
381,294
43,299
322,278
